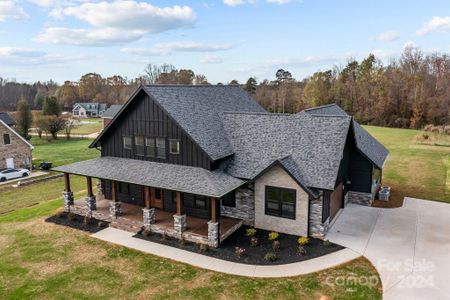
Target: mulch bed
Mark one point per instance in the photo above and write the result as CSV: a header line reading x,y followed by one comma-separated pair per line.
x,y
287,253
78,222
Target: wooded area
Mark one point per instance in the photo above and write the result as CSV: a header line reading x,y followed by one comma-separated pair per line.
x,y
411,91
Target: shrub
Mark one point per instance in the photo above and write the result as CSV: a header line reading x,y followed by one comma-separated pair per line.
x,y
254,241
164,236
204,248
239,251
273,236
327,243
251,232
301,250
86,220
101,224
276,245
60,214
183,241
425,136
303,240
146,232
270,257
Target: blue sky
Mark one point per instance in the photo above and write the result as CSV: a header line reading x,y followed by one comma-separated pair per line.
x,y
229,39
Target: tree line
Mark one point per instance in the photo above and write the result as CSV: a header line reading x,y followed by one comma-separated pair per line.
x,y
409,92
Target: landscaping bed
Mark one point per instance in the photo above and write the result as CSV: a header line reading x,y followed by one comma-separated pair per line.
x,y
288,251
72,220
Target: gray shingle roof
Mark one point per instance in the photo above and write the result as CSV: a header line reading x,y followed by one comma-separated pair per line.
x,y
111,111
197,110
7,119
365,142
315,144
160,175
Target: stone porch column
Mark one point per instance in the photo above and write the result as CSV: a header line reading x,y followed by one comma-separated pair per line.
x,y
91,203
67,194
179,220
149,217
115,210
213,234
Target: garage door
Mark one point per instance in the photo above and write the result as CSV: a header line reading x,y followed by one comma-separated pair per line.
x,y
336,199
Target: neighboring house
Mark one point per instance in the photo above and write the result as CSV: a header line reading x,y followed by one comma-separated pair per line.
x,y
15,151
7,119
110,114
88,110
202,160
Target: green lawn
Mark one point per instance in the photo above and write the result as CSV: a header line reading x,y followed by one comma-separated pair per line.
x,y
92,125
62,151
414,169
40,260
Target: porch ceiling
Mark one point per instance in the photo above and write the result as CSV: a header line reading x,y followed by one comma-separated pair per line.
x,y
159,175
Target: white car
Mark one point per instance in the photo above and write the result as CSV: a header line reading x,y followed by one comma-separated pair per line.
x,y
8,173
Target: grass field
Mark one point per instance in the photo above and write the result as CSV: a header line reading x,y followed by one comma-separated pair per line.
x,y
414,169
40,260
88,126
62,151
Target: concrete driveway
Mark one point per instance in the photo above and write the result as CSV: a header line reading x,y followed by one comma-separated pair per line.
x,y
409,246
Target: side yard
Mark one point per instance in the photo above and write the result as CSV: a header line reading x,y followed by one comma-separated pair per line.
x,y
414,169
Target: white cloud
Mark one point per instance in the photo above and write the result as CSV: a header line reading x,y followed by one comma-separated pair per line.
x,y
169,48
238,2
211,59
383,54
388,36
9,10
87,37
409,44
30,56
278,1
116,23
436,24
58,3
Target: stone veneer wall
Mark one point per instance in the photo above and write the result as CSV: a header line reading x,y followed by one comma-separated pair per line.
x,y
245,205
317,228
365,199
278,177
18,150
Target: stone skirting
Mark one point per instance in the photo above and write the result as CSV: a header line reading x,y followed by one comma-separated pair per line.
x,y
317,228
365,199
91,203
245,205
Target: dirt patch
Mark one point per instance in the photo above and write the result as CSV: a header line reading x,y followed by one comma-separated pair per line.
x,y
288,251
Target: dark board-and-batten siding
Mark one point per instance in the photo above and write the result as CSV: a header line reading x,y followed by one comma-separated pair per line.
x,y
144,117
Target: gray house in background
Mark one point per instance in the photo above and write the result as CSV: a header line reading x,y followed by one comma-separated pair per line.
x,y
88,110
110,113
197,162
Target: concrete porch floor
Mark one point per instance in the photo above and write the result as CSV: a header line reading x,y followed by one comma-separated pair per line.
x,y
163,219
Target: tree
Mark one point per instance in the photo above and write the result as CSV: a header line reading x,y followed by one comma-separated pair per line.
x,y
283,76
51,107
53,124
250,85
234,82
69,125
185,76
200,79
24,118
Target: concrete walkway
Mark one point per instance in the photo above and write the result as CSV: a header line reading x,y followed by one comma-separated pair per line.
x,y
409,246
126,239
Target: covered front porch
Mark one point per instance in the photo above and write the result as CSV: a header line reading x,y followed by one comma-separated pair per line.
x,y
184,205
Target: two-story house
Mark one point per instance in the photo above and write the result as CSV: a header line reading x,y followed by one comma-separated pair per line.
x,y
88,110
197,162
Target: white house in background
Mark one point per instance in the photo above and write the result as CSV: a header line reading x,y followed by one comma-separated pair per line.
x,y
88,110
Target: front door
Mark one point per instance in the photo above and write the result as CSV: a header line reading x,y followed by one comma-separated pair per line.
x,y
336,199
10,163
156,199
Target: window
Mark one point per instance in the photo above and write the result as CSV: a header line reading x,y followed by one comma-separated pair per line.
x,y
194,201
158,194
140,146
160,147
127,143
173,197
174,146
326,205
280,202
150,147
229,200
124,188
7,139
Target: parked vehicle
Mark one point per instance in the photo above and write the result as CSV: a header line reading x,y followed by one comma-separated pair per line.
x,y
8,173
45,165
